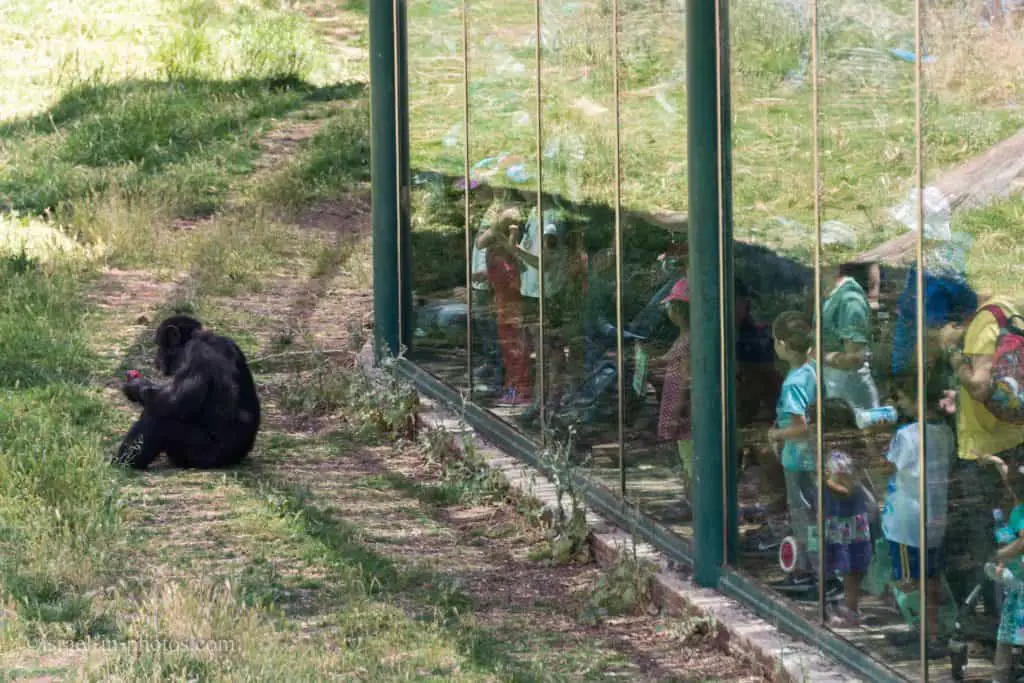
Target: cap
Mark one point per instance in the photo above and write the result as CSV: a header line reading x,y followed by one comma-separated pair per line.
x,y
947,299
680,291
553,225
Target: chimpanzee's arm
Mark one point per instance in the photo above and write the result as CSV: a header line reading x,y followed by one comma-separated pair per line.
x,y
182,398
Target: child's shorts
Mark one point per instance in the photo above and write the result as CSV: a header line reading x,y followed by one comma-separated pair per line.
x,y
906,562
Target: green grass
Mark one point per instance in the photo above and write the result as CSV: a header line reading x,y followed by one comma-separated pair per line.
x,y
994,263
153,113
59,510
117,122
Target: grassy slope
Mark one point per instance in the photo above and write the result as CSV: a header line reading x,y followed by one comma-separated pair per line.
x,y
176,141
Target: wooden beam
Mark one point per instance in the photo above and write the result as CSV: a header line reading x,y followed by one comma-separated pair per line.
x,y
996,173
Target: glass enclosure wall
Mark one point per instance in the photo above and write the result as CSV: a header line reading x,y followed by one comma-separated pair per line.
x,y
877,437
443,291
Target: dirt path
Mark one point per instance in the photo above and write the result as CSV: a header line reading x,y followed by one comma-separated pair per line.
x,y
530,609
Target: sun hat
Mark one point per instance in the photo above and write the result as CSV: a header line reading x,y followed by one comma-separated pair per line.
x,y
680,291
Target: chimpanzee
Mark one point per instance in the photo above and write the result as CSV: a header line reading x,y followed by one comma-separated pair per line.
x,y
207,415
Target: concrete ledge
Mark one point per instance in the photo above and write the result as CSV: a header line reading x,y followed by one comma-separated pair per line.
x,y
773,653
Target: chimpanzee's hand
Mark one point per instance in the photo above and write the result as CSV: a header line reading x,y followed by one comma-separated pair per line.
x,y
133,388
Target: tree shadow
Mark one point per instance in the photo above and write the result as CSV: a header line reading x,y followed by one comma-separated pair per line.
x,y
188,136
776,281
430,595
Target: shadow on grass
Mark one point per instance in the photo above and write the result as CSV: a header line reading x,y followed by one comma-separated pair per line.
x,y
185,139
437,598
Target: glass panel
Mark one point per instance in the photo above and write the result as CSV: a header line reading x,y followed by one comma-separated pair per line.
x,y
973,152
773,196
868,152
503,181
437,198
653,112
578,162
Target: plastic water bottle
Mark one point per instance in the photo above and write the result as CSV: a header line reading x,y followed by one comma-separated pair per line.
x,y
882,415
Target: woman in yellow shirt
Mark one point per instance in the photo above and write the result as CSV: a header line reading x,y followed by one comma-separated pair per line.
x,y
986,447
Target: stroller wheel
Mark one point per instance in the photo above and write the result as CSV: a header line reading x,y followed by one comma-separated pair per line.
x,y
789,554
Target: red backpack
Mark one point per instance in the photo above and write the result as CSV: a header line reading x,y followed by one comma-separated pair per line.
x,y
1006,396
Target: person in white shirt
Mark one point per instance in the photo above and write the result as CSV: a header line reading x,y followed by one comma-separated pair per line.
x,y
556,272
902,511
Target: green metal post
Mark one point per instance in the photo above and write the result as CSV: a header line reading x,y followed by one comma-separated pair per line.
x,y
728,282
708,272
405,309
390,305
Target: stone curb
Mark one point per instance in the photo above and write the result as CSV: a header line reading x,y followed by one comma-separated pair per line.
x,y
772,653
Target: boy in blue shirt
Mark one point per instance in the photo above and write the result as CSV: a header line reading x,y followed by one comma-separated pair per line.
x,y
792,333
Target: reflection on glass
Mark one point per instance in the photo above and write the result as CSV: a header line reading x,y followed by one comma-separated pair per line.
x,y
868,114
502,151
577,212
437,200
773,207
972,217
655,291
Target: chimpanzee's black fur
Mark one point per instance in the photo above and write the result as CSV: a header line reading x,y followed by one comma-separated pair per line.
x,y
207,415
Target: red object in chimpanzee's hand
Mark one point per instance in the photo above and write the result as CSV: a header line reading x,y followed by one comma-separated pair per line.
x,y
133,374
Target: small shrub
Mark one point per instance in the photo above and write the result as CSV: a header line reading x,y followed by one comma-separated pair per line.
x,y
187,54
464,474
626,587
382,407
274,45
568,531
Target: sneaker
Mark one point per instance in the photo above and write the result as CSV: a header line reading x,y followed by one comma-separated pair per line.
x,y
834,589
512,398
794,583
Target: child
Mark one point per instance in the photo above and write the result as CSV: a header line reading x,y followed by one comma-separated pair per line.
x,y
792,333
847,508
902,512
1009,571
848,553
503,276
551,231
674,418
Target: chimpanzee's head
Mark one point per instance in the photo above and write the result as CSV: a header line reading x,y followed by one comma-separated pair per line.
x,y
171,338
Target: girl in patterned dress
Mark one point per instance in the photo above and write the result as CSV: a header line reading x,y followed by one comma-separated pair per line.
x,y
674,417
845,507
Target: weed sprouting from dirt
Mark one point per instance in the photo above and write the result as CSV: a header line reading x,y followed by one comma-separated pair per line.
x,y
375,407
463,474
568,531
624,587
